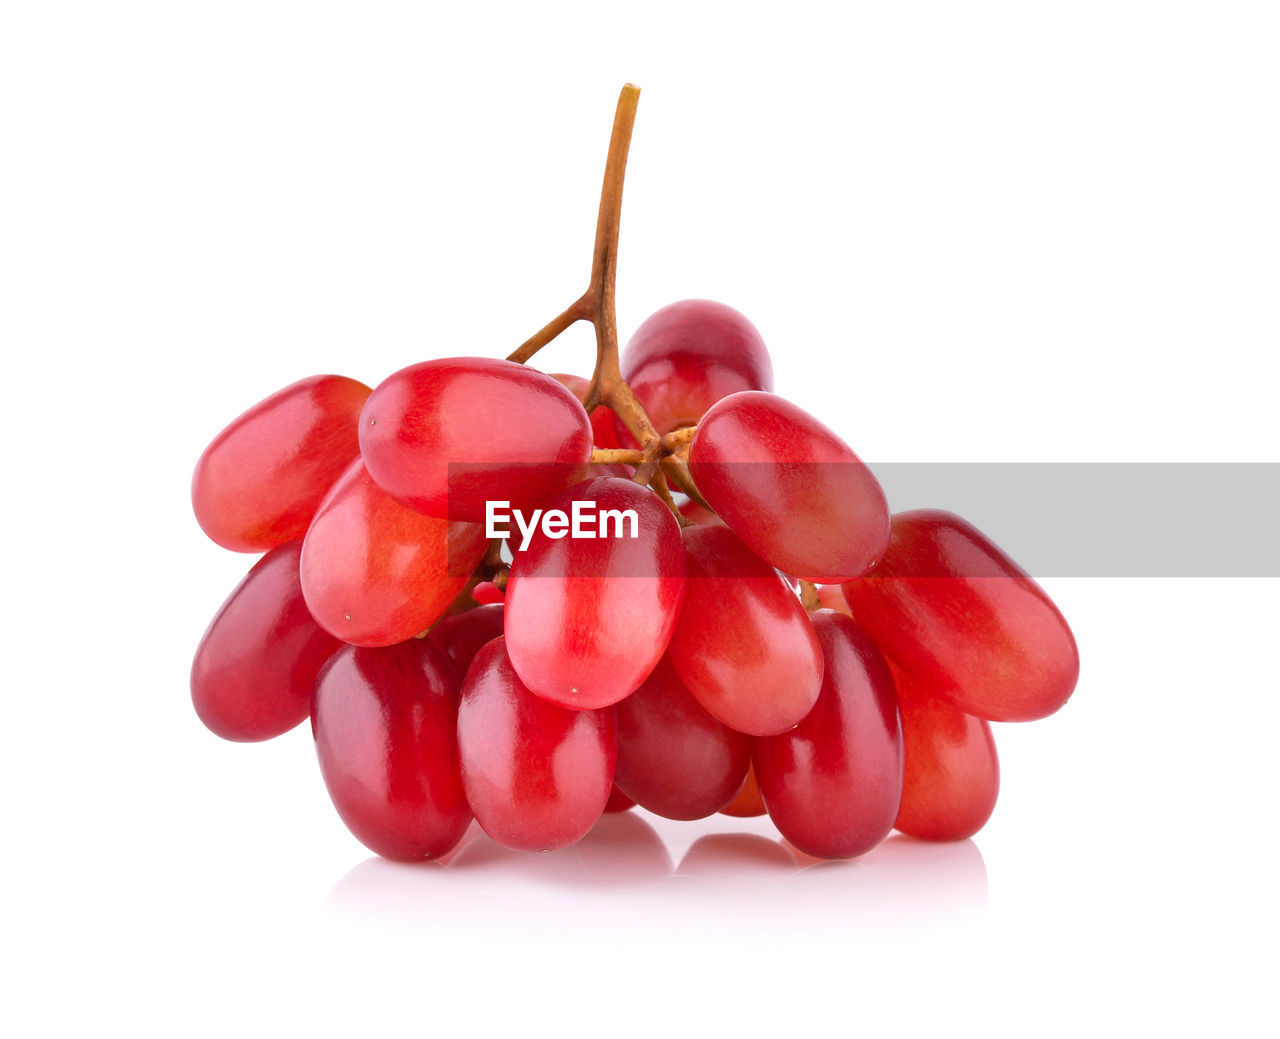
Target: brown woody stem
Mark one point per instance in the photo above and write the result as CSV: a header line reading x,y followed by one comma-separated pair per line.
x,y
678,439
578,311
677,471
661,489
625,455
598,305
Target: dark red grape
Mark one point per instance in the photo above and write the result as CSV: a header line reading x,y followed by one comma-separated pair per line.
x,y
833,784
385,724
461,636
256,667
674,758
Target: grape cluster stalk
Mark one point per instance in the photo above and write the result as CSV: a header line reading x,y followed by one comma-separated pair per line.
x,y
769,639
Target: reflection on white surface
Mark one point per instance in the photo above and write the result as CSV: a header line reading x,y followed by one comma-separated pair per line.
x,y
643,868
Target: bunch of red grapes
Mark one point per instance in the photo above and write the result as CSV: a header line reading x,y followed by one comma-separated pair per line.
x,y
769,639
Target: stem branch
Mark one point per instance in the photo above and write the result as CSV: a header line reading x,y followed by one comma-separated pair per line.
x,y
576,312
599,306
625,455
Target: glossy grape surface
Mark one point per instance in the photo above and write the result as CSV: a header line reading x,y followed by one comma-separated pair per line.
x,y
587,619
259,482
441,436
743,645
952,775
385,729
537,775
375,573
256,666
834,783
952,610
461,636
674,758
688,355
790,488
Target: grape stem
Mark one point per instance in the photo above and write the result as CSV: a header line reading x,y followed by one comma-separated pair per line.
x,y
678,440
598,305
664,492
609,455
660,461
809,596
676,470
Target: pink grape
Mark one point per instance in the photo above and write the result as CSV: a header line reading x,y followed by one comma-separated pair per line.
x,y
537,775
587,619
437,438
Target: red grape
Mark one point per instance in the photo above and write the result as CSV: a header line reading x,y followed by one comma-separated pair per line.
x,y
375,573
952,610
618,802
743,644
674,758
537,775
672,664
688,355
436,436
486,593
831,596
833,784
603,432
587,619
259,482
790,488
747,802
952,773
461,636
385,728
256,666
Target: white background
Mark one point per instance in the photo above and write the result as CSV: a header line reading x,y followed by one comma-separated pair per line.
x,y
967,231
